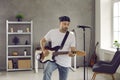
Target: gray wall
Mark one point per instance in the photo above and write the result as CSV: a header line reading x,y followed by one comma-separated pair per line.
x,y
44,14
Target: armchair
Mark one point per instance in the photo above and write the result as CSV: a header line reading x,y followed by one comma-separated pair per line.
x,y
107,67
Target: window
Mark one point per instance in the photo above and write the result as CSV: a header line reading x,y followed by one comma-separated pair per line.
x,y
116,21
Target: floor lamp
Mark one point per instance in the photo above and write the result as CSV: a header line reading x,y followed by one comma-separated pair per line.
x,y
83,27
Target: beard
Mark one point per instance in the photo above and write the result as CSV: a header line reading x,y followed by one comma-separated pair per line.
x,y
65,29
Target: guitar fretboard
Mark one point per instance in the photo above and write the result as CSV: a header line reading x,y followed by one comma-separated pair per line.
x,y
60,53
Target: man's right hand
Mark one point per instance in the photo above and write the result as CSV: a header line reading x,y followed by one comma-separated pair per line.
x,y
42,45
45,52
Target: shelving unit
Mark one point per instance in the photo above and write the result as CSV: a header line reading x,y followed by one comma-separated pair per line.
x,y
19,45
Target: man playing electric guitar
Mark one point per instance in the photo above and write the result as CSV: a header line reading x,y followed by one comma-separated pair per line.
x,y
62,62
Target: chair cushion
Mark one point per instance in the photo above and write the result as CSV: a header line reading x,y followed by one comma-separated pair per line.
x,y
103,68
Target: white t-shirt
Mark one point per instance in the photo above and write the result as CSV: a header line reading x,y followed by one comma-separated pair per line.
x,y
56,37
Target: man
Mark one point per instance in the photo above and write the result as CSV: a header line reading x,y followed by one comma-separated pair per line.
x,y
62,62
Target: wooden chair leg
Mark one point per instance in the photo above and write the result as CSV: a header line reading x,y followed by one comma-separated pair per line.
x,y
94,75
113,77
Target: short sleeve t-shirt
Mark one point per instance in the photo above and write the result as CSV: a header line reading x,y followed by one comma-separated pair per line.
x,y
56,38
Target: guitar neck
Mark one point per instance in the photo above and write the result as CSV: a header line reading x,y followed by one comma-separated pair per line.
x,y
60,53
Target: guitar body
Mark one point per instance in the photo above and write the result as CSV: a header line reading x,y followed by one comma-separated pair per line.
x,y
49,57
93,59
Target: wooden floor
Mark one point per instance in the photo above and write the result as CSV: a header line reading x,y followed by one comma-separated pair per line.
x,y
31,75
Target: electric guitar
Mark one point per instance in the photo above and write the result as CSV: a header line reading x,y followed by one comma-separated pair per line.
x,y
52,53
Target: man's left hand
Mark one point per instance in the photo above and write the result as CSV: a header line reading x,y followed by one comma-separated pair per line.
x,y
71,54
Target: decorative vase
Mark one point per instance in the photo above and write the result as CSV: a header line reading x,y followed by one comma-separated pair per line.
x,y
118,49
26,42
15,40
25,52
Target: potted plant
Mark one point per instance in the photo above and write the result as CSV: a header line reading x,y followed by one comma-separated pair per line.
x,y
116,45
19,17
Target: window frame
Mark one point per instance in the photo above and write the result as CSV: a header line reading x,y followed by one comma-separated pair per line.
x,y
113,20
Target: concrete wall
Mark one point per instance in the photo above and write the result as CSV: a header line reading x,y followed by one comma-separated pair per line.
x,y
44,14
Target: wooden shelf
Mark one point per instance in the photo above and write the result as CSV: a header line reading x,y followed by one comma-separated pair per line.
x,y
19,45
19,22
19,33
27,56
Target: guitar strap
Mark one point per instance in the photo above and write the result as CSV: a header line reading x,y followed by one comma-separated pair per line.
x,y
63,42
64,39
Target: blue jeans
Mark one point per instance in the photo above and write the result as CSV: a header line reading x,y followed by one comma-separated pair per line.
x,y
50,67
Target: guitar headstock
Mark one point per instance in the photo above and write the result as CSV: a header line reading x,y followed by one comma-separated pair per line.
x,y
79,53
97,43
